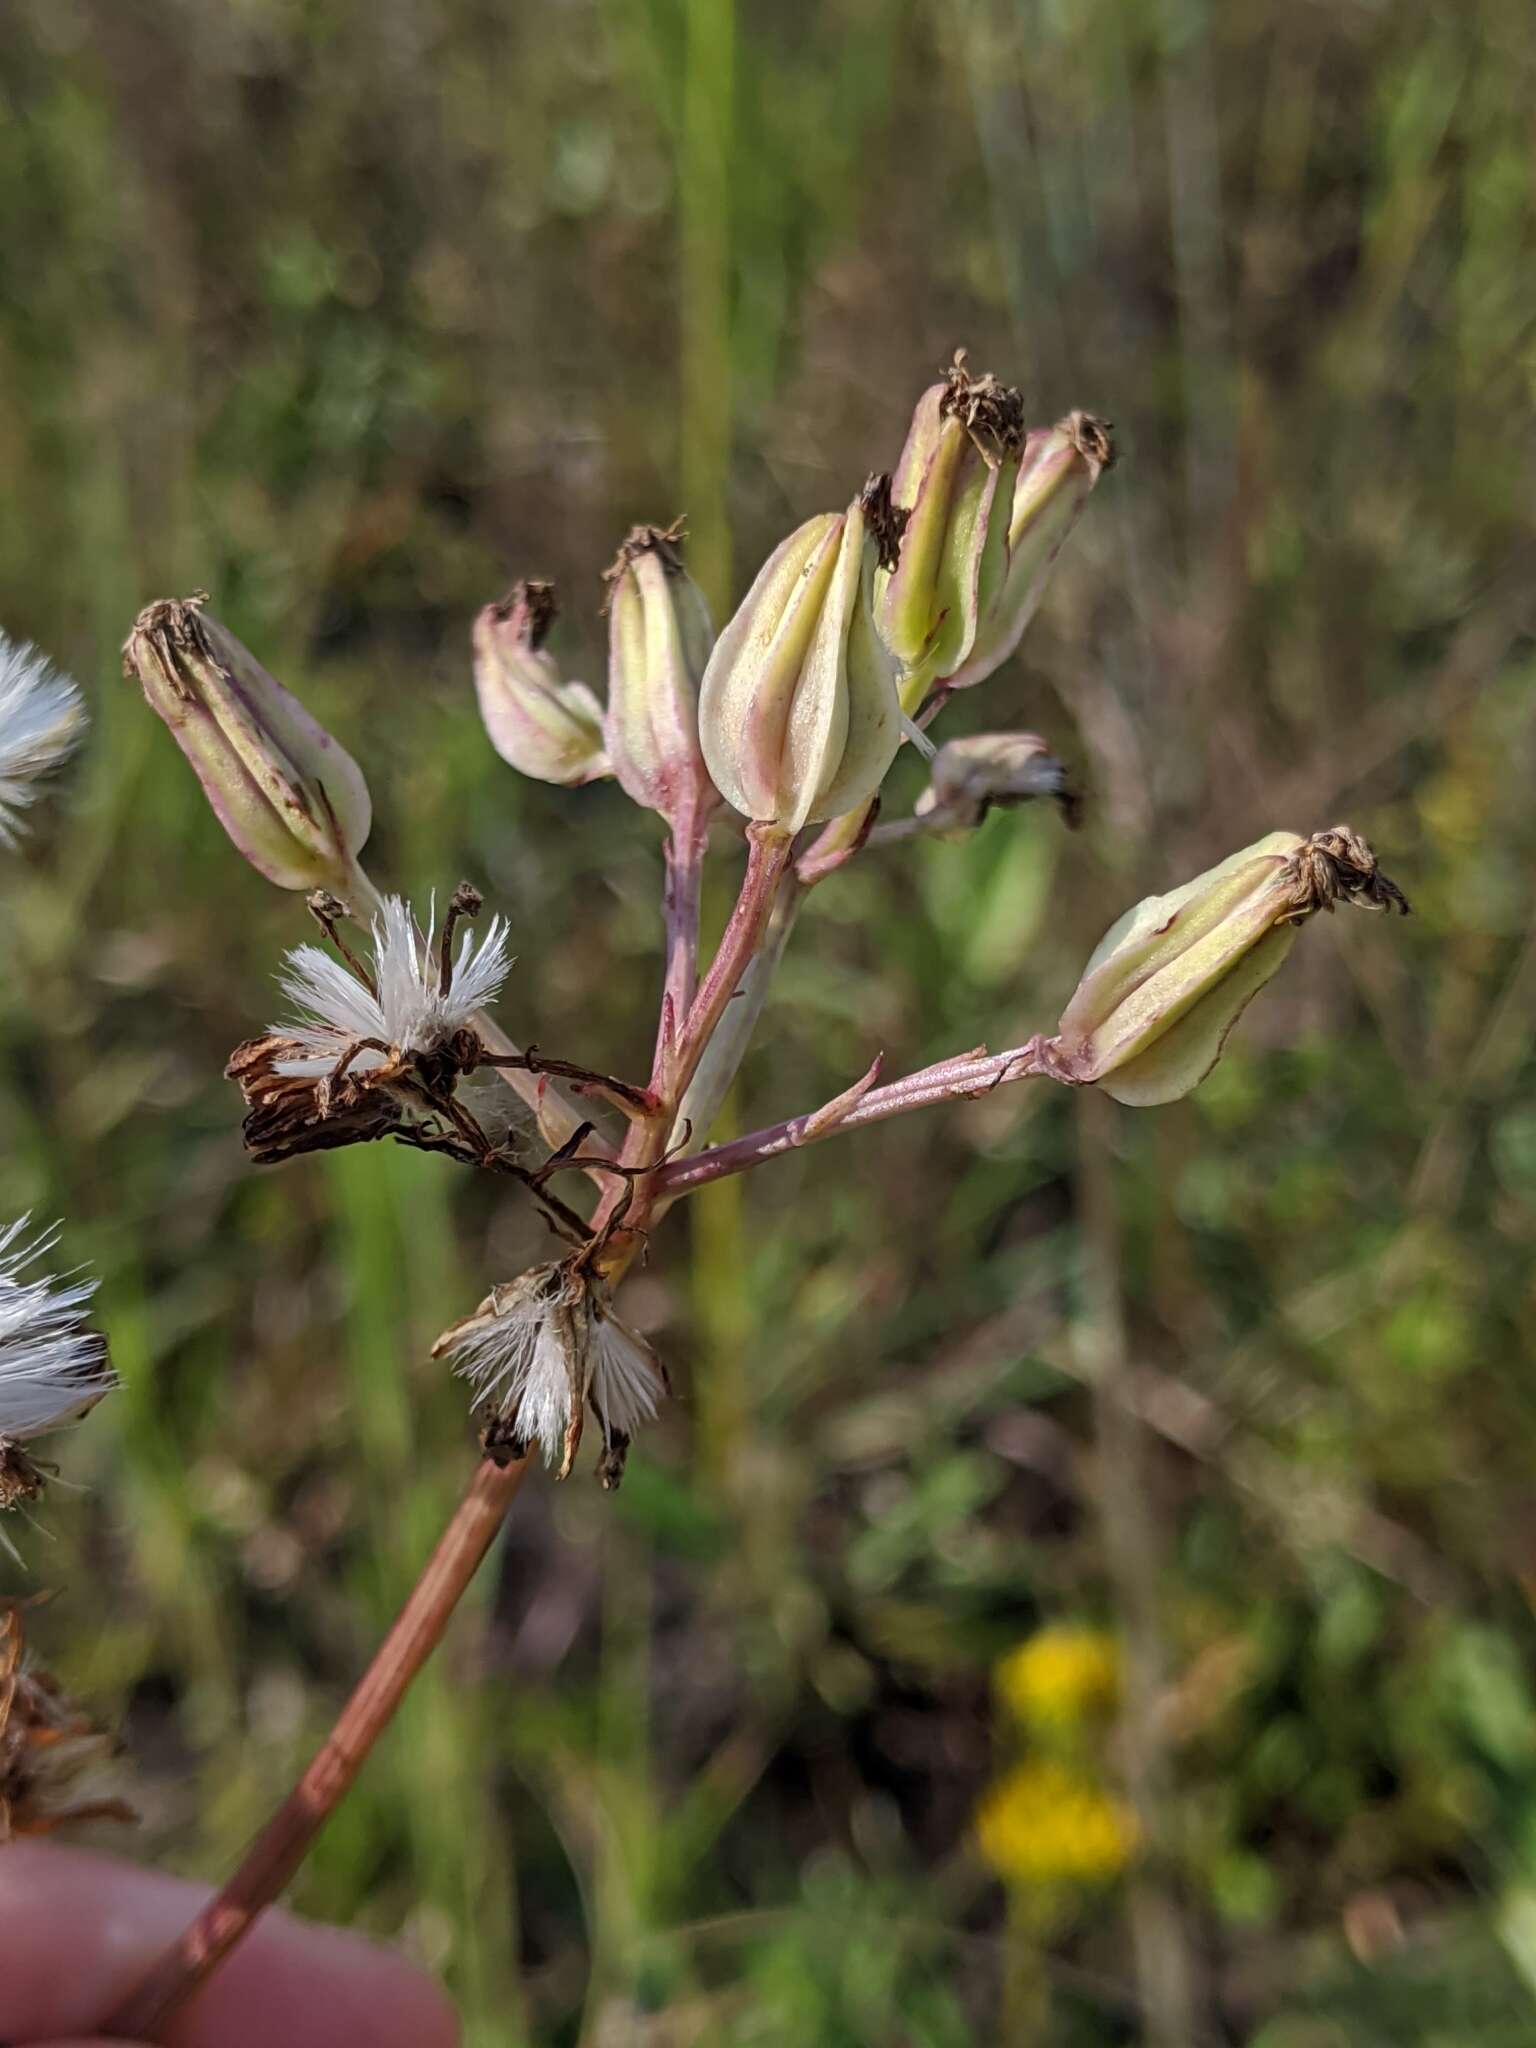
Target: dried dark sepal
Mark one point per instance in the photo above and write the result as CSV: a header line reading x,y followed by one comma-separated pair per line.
x,y
500,1442
611,1463
1339,866
887,521
991,411
665,542
20,1478
290,1114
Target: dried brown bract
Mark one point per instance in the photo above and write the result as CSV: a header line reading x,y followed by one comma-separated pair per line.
x,y
20,1478
1339,865
47,1746
991,411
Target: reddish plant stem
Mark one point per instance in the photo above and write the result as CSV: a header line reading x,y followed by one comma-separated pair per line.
x,y
283,1843
622,1234
970,1074
768,854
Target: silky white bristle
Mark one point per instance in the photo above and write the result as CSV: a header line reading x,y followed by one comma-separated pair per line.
x,y
53,1366
410,1012
41,718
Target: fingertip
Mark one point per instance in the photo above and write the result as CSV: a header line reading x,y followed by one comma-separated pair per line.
x,y
308,1986
79,1931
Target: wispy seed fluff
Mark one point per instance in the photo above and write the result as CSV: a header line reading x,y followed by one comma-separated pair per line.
x,y
411,1012
41,718
53,1365
538,1349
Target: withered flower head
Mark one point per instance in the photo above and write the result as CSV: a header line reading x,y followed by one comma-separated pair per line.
x,y
53,1366
47,1745
539,1350
1167,983
991,771
372,1039
41,718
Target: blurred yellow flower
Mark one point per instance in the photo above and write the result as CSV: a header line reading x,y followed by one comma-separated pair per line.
x,y
1060,1677
1042,1824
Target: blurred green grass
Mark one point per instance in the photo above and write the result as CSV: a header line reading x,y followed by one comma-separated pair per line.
x,y
348,315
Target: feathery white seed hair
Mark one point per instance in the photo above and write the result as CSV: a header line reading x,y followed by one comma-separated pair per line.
x,y
513,1353
409,1012
53,1366
41,718
626,1383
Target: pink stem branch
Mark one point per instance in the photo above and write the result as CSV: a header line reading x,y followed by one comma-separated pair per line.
x,y
767,857
970,1074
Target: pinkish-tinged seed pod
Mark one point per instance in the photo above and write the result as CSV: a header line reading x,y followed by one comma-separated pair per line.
x,y
1166,983
293,801
659,639
1059,468
543,727
955,481
991,771
798,711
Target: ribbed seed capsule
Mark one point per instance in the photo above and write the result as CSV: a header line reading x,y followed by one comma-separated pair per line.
x,y
292,800
659,638
1058,470
956,481
543,727
798,711
1166,983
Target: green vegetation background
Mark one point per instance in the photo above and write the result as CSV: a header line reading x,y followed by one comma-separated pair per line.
x,y
348,313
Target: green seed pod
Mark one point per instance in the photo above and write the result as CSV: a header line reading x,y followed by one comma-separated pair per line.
x,y
798,712
1166,983
955,480
1059,468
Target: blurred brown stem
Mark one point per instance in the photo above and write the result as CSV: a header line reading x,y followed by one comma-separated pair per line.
x,y
282,1845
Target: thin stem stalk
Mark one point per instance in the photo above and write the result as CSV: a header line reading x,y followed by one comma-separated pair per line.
x,y
767,857
971,1074
273,1858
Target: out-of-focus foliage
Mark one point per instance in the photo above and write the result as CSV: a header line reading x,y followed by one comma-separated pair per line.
x,y
349,314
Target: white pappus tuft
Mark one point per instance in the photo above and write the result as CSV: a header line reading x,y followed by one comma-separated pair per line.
x,y
628,1381
523,1352
411,1011
53,1366
41,718
538,1349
